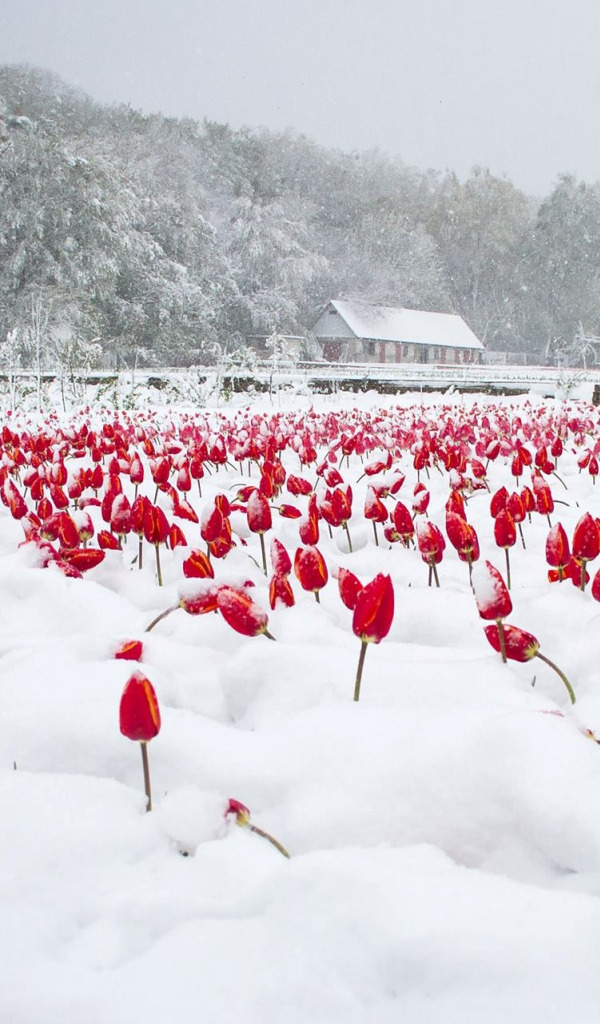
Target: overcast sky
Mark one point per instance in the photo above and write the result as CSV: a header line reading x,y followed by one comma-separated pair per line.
x,y
513,85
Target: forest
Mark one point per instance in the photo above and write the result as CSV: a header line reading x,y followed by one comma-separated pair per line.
x,y
130,238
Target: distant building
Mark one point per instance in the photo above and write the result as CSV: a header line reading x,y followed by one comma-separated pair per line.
x,y
355,332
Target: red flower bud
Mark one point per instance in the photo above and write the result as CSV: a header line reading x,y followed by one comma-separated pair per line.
x,y
519,645
241,812
586,539
505,531
198,566
280,559
557,547
130,650
491,593
259,513
374,610
350,587
280,592
139,714
82,559
240,612
310,568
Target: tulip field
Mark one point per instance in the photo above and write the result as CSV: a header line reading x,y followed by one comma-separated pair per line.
x,y
300,713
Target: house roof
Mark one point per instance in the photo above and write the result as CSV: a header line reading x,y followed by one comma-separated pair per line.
x,y
415,326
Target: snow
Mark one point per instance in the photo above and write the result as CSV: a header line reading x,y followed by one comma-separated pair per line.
x,y
444,831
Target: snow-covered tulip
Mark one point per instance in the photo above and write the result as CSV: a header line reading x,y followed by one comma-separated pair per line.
x,y
259,520
242,613
403,523
280,559
239,811
374,510
558,554
505,535
586,542
280,591
198,566
372,618
349,587
82,559
311,570
492,597
130,650
431,543
139,720
518,645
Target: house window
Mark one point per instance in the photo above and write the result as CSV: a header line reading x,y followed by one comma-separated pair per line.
x,y
437,354
404,351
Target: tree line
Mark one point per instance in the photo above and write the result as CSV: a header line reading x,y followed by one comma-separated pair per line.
x,y
147,239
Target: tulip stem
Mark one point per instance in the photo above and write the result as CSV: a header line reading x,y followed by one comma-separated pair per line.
x,y
271,839
269,635
507,556
158,569
375,532
359,670
348,536
263,552
583,564
561,674
144,746
317,598
160,617
521,535
502,639
140,552
435,574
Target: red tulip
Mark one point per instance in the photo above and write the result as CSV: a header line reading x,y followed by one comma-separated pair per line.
x,y
349,587
518,645
156,532
289,512
211,524
280,559
139,719
130,650
280,592
374,610
311,570
558,554
431,544
372,619
491,594
498,501
586,542
242,818
198,566
297,485
403,523
107,542
82,559
259,520
259,513
241,613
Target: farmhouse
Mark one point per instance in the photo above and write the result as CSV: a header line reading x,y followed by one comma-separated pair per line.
x,y
355,332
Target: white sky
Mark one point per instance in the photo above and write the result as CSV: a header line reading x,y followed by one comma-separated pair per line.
x,y
514,86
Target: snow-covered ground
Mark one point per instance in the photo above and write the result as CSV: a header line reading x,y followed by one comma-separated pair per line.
x,y
444,831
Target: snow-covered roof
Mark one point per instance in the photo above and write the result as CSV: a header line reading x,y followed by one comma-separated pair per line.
x,y
415,326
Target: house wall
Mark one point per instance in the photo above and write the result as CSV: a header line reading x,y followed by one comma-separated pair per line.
x,y
359,350
331,325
